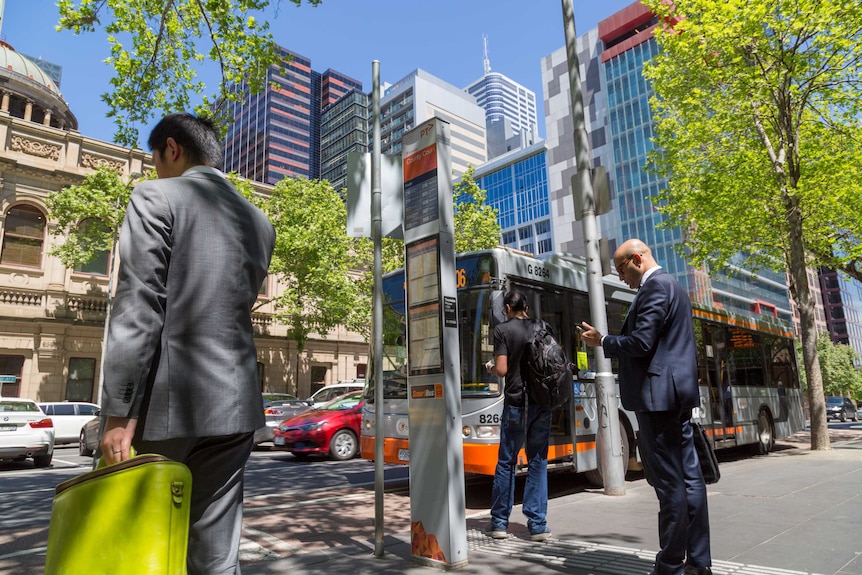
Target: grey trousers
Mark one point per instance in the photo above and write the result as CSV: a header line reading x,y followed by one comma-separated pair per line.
x,y
217,465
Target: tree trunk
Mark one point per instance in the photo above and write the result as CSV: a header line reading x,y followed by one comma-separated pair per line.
x,y
805,303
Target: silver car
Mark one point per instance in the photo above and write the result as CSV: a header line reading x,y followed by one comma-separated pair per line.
x,y
276,408
25,431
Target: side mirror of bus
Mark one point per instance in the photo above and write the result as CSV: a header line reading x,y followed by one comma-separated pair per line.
x,y
498,308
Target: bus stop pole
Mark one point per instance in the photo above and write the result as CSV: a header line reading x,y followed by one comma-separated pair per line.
x,y
609,441
377,309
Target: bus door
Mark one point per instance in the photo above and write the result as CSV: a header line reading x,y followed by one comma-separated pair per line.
x,y
720,388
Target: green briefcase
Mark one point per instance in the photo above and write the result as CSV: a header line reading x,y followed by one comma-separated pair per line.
x,y
130,518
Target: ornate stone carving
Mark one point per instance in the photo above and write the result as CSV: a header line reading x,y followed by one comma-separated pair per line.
x,y
35,148
93,161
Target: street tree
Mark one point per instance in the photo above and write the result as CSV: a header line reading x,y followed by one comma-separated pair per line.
x,y
840,376
757,108
314,260
476,225
158,48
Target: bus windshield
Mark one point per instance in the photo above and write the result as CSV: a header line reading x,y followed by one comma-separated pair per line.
x,y
476,322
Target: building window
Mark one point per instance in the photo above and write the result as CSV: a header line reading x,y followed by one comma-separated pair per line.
x,y
82,375
526,232
509,238
10,375
545,246
24,236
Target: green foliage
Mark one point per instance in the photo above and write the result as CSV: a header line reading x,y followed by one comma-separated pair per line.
x,y
476,226
840,377
313,259
99,203
159,46
757,107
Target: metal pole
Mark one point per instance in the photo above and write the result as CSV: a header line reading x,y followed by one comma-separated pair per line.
x,y
377,309
609,439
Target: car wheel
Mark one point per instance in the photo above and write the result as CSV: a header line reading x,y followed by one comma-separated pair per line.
x,y
843,418
594,476
82,446
43,460
765,433
343,445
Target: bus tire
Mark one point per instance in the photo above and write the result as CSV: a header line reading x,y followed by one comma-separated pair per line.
x,y
765,433
594,476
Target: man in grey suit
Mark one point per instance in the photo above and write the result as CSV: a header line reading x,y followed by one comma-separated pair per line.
x,y
180,361
658,381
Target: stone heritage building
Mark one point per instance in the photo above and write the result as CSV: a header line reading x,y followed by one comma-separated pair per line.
x,y
52,318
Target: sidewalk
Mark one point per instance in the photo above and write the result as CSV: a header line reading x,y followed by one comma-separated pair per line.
x,y
793,512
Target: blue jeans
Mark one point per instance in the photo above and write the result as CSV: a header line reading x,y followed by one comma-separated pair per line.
x,y
518,422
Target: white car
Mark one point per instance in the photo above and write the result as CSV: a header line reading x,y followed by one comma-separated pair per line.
x,y
25,431
69,418
329,392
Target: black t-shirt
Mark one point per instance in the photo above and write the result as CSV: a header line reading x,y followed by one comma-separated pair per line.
x,y
510,339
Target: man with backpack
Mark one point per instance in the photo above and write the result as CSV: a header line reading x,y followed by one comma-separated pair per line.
x,y
522,421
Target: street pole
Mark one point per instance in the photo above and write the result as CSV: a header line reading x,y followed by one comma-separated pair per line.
x,y
377,308
609,442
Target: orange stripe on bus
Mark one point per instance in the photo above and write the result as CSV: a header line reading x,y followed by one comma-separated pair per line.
x,y
480,458
723,431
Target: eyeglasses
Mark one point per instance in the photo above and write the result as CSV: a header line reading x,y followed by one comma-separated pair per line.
x,y
623,264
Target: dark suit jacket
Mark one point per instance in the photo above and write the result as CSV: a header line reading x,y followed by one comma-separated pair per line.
x,y
656,349
180,354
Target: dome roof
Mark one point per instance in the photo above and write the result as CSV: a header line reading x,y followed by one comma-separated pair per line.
x,y
12,61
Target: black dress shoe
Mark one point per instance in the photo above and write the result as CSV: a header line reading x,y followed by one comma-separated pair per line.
x,y
692,570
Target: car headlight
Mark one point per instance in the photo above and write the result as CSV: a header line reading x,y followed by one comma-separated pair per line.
x,y
311,426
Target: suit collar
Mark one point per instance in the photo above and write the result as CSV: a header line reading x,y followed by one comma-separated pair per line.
x,y
208,170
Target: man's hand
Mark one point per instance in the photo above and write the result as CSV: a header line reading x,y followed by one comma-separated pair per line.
x,y
117,439
590,336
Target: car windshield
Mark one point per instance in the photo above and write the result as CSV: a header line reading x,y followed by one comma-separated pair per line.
x,y
834,401
342,402
9,406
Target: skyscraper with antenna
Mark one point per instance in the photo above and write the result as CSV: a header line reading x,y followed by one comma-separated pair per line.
x,y
510,109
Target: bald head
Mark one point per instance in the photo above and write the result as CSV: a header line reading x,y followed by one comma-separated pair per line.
x,y
632,260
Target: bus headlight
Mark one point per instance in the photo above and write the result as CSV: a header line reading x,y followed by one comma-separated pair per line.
x,y
465,431
487,431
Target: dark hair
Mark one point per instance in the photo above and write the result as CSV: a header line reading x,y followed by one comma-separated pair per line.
x,y
197,136
515,300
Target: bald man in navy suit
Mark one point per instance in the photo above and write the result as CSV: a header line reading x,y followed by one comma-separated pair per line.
x,y
658,381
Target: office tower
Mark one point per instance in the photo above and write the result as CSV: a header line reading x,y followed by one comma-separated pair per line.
x,y
276,133
420,96
344,127
620,127
510,110
842,302
517,186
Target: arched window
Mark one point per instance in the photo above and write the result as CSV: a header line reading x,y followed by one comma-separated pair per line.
x,y
23,237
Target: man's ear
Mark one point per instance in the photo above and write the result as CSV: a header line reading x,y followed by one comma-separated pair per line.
x,y
173,150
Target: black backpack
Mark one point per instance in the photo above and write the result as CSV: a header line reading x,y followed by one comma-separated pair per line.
x,y
546,371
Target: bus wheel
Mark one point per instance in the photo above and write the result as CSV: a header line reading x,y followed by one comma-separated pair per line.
x,y
765,433
594,476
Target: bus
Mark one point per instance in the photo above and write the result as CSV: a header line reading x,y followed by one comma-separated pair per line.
x,y
750,392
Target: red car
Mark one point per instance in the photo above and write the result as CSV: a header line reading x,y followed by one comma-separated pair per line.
x,y
331,428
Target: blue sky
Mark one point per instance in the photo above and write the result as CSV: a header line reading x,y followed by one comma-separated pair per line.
x,y
443,37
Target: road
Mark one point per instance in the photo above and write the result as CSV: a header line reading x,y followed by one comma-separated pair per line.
x,y
291,506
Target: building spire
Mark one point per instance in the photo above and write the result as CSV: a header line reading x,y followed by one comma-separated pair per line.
x,y
485,61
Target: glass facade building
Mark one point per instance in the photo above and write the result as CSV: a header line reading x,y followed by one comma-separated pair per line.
x,y
344,127
620,126
276,133
842,302
517,186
